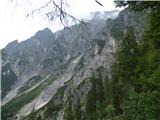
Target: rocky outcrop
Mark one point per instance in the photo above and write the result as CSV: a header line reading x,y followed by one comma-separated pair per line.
x,y
52,66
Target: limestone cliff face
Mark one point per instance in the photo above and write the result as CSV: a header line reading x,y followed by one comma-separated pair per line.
x,y
48,67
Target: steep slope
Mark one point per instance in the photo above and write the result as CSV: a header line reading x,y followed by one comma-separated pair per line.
x,y
49,67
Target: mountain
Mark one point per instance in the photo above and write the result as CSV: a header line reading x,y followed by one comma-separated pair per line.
x,y
41,74
104,15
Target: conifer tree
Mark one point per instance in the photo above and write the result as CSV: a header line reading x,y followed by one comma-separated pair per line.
x,y
144,103
99,86
78,111
68,114
91,99
123,68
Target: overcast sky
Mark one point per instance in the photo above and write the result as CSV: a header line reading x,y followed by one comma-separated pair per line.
x,y
15,26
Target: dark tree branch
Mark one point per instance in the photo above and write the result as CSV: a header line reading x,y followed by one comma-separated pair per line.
x,y
99,3
57,12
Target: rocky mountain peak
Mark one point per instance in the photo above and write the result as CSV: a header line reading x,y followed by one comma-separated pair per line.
x,y
104,15
50,67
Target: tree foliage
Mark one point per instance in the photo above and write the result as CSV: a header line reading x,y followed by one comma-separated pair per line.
x,y
96,97
68,114
123,69
141,70
78,112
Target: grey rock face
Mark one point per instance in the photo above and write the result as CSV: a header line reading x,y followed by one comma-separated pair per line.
x,y
64,61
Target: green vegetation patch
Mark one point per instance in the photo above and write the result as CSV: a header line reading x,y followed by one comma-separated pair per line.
x,y
51,109
31,82
80,64
8,79
12,107
81,84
